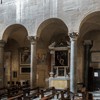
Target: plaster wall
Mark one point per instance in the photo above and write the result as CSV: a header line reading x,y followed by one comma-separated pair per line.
x,y
31,13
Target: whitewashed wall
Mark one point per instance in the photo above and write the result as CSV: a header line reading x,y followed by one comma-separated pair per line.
x,y
31,13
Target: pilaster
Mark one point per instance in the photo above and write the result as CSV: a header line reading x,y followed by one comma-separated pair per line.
x,y
2,73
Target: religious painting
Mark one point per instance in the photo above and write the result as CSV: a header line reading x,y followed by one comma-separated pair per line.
x,y
41,57
25,56
61,58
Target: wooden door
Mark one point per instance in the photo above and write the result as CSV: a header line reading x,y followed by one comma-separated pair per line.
x,y
41,78
96,80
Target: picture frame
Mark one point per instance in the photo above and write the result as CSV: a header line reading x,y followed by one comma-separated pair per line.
x,y
25,70
61,58
24,56
95,56
14,74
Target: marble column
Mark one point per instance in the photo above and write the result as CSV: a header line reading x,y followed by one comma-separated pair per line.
x,y
2,73
87,47
73,62
33,61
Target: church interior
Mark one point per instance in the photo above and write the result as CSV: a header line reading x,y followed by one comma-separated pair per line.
x,y
49,50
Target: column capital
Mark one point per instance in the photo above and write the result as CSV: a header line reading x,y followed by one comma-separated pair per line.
x,y
32,39
73,36
2,43
88,42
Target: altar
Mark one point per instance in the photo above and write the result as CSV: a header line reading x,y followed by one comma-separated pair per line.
x,y
59,82
60,67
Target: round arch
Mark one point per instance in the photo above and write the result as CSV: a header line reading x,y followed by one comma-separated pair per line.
x,y
89,30
48,22
11,29
89,23
50,29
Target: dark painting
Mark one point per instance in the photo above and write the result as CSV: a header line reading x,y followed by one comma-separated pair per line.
x,y
61,58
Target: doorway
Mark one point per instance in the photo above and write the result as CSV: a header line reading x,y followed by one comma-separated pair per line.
x,y
96,79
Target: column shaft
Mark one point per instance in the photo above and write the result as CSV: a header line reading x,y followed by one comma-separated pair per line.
x,y
87,47
73,62
33,62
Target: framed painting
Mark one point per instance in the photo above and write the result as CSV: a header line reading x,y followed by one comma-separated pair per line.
x,y
25,56
25,70
61,58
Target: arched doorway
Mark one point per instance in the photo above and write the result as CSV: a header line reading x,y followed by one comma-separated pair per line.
x,y
50,31
16,41
88,48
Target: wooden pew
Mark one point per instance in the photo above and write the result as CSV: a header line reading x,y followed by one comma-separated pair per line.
x,y
3,92
50,90
29,94
49,93
17,96
12,90
67,93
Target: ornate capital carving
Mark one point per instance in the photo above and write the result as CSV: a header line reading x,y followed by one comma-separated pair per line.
x,y
2,43
73,36
88,42
32,39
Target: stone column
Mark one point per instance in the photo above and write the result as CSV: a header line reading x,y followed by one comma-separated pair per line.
x,y
33,61
87,47
73,62
2,73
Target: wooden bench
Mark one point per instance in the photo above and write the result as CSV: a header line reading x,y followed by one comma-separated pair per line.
x,y
17,96
49,93
12,90
65,95
29,94
3,92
